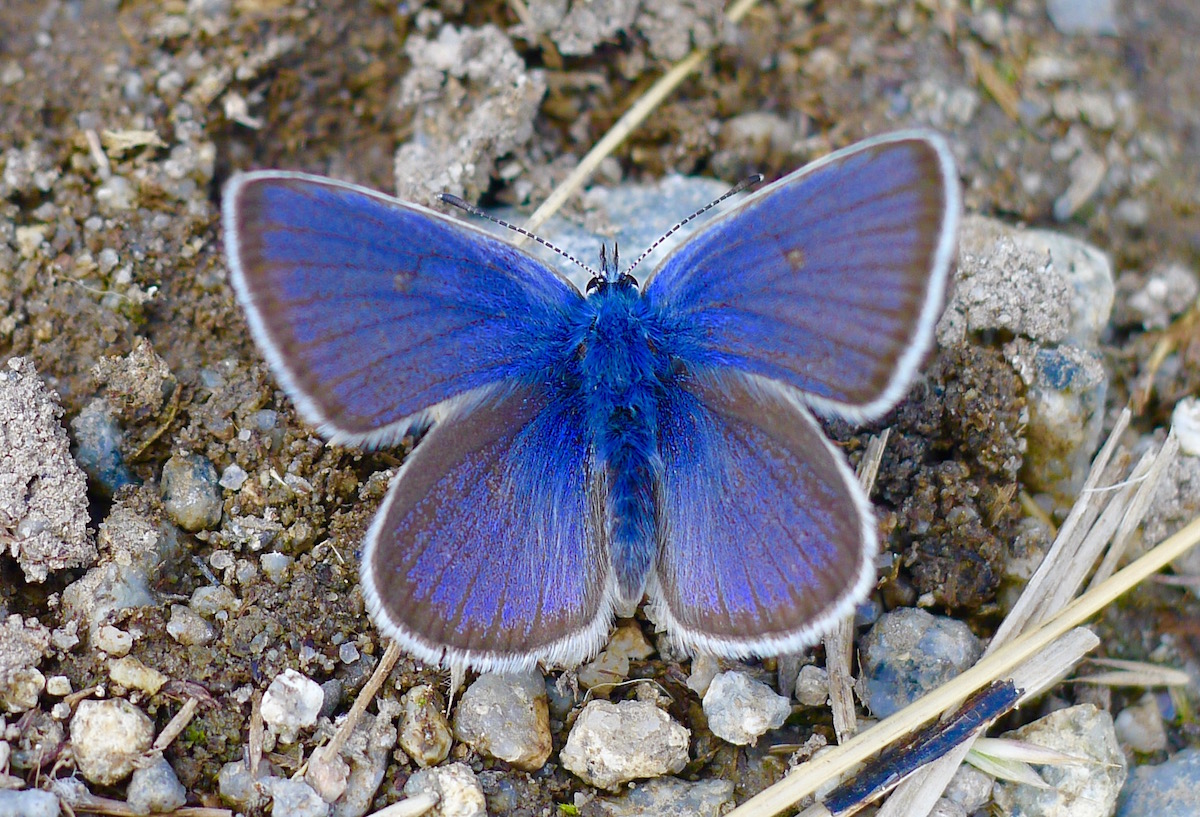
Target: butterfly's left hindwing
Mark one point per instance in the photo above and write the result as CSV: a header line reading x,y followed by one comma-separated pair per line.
x,y
490,550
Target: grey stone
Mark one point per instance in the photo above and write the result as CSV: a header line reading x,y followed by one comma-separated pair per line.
x,y
155,788
367,753
296,798
1086,789
970,788
495,98
910,652
237,786
506,716
98,443
668,797
740,710
1170,789
132,544
28,803
1066,387
812,685
613,743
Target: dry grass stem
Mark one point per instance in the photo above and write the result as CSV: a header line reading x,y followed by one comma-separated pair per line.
x,y
1033,626
624,126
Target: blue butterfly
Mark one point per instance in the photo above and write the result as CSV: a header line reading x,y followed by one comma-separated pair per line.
x,y
586,450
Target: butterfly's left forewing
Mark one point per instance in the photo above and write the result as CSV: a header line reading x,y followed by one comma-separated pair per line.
x,y
372,311
765,536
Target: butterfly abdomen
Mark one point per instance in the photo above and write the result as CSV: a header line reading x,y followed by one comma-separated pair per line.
x,y
619,388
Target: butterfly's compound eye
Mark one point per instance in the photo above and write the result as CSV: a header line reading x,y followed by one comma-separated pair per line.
x,y
595,285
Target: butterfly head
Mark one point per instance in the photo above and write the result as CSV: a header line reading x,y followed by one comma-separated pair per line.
x,y
610,274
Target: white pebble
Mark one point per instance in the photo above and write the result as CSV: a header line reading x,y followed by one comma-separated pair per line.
x,y
613,743
457,789
291,703
740,709
107,737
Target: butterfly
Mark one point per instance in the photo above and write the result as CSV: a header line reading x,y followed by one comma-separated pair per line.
x,y
587,450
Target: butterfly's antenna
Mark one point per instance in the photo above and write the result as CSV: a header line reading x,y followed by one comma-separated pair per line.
x,y
737,188
455,201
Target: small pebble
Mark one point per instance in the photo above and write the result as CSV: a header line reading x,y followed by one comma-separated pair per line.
x,y
613,743
191,493
740,710
295,798
291,703
133,674
1170,789
1087,789
457,789
210,599
668,797
275,566
113,641
107,737
910,652
506,717
28,803
21,688
424,733
348,653
188,627
812,685
155,788
704,669
58,686
233,477
1140,726
1185,419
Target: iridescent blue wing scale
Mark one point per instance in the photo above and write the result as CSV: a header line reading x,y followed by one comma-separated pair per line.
x,y
373,311
829,281
766,538
490,550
